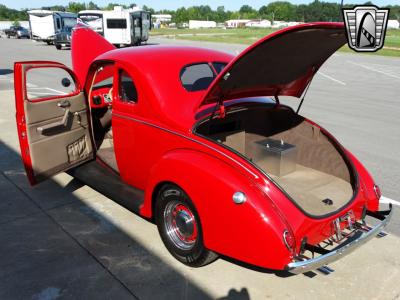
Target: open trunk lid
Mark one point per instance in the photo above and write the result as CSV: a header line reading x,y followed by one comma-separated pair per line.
x,y
282,63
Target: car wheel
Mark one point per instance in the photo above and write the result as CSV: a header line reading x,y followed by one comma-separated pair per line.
x,y
58,47
179,227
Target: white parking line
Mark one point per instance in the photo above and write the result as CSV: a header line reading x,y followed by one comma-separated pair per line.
x,y
331,78
56,91
388,200
39,93
373,69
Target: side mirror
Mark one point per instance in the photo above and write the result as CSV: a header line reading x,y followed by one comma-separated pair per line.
x,y
65,82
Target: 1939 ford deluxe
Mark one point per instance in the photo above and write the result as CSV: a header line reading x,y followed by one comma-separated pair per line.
x,y
197,141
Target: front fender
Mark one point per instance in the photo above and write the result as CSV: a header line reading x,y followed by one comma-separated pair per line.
x,y
250,232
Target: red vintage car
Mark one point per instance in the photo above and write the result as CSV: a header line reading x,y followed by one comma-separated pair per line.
x,y
197,141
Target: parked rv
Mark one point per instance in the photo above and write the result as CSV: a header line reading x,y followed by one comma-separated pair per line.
x,y
121,27
45,24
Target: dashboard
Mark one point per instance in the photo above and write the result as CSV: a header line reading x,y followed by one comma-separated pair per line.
x,y
101,97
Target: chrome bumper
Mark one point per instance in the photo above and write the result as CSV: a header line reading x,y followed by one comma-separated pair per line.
x,y
359,237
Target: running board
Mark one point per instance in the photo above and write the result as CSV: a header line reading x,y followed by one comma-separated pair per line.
x,y
109,184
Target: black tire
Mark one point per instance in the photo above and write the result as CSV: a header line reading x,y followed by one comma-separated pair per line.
x,y
195,255
48,43
8,36
58,47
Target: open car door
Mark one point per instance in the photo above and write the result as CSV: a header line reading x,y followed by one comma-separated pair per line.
x,y
52,119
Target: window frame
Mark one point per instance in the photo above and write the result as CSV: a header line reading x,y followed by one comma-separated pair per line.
x,y
78,88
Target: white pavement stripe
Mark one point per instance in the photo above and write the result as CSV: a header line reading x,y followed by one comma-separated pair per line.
x,y
331,78
56,91
39,93
373,69
388,200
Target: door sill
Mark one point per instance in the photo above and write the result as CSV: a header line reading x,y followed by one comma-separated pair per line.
x,y
108,183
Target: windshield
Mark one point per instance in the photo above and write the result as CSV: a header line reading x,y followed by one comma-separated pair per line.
x,y
95,21
69,22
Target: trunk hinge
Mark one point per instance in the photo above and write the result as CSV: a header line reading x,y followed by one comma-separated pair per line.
x,y
305,92
221,109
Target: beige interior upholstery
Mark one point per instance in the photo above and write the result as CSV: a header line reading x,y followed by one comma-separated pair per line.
x,y
106,151
60,147
319,171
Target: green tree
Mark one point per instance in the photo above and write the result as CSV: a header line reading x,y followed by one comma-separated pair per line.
x,y
16,23
247,12
280,10
92,6
76,7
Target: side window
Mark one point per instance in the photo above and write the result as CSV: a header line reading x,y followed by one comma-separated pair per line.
x,y
49,82
197,77
58,23
116,23
127,90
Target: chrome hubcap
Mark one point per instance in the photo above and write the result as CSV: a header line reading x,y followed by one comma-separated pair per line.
x,y
180,225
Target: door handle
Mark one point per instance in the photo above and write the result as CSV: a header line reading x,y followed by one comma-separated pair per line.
x,y
44,129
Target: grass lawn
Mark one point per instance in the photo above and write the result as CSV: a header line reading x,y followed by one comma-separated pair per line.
x,y
248,36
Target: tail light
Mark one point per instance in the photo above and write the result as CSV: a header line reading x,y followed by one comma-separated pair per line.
x,y
289,240
377,191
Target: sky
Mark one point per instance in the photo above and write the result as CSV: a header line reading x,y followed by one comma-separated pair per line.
x,y
174,4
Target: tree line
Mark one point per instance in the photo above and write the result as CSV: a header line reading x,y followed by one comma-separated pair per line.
x,y
278,10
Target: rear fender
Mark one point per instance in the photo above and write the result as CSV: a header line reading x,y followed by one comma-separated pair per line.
x,y
250,232
366,183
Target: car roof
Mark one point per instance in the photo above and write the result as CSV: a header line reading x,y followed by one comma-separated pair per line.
x,y
159,68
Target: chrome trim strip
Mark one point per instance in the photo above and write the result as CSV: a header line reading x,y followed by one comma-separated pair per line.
x,y
303,266
188,138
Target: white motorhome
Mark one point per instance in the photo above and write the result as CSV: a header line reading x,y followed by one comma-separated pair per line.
x,y
119,26
45,24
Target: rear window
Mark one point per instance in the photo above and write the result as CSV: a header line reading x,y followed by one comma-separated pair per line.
x,y
197,77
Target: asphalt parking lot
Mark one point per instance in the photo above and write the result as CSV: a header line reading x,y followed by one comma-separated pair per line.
x,y
63,240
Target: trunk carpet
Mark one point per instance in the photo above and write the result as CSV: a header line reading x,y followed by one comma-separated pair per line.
x,y
309,187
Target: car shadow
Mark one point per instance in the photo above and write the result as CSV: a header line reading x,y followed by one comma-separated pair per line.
x,y
55,236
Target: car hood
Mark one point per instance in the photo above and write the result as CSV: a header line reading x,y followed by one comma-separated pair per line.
x,y
282,63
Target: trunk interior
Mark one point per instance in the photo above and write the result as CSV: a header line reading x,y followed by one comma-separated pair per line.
x,y
294,153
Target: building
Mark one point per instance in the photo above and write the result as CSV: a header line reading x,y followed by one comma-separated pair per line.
x,y
195,24
259,24
236,23
160,21
8,24
393,24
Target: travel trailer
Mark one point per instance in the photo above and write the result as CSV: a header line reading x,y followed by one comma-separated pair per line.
x,y
121,27
45,24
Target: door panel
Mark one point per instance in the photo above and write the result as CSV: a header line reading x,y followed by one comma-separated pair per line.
x,y
53,130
